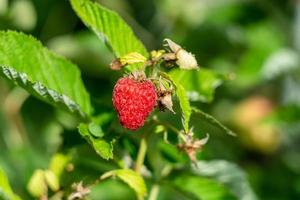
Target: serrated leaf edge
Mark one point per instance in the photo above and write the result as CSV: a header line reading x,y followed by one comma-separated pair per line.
x,y
40,90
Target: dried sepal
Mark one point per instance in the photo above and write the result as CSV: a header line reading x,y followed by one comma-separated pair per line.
x,y
138,75
191,146
116,65
165,97
169,56
166,101
80,192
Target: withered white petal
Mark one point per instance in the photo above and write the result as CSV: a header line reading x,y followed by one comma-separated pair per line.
x,y
186,60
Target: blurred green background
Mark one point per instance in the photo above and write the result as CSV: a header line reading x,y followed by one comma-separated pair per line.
x,y
256,41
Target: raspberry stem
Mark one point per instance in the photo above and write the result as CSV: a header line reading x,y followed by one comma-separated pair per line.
x,y
154,192
141,155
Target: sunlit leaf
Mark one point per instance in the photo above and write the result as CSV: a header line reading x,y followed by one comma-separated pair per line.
x,y
200,84
51,180
210,119
95,129
203,188
58,163
184,105
109,26
51,78
101,146
132,179
86,50
132,58
263,39
228,174
120,190
6,192
183,99
37,185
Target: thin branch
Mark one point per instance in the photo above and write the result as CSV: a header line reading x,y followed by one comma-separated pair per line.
x,y
154,192
141,155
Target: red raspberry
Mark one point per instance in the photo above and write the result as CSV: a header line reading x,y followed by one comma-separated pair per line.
x,y
133,100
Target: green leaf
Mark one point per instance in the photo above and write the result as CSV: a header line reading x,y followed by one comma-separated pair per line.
x,y
262,39
101,146
49,77
95,129
183,100
200,84
132,179
168,77
99,123
202,188
228,174
37,185
132,58
120,191
109,26
184,105
86,50
51,180
202,115
6,192
58,163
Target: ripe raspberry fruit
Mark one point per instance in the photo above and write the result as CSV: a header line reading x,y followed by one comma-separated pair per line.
x,y
134,100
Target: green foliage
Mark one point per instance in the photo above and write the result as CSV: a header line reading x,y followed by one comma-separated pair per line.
x,y
52,180
250,39
200,84
118,188
109,26
6,192
263,39
49,77
203,188
58,164
101,146
95,130
185,106
183,100
210,119
41,180
132,58
132,179
95,127
37,185
228,174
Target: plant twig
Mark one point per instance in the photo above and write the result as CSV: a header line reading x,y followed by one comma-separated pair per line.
x,y
141,155
12,105
154,192
169,126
